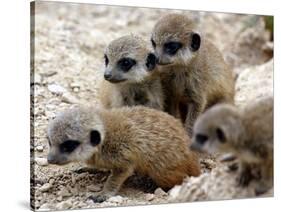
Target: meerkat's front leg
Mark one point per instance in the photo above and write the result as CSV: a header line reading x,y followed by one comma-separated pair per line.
x,y
194,109
113,184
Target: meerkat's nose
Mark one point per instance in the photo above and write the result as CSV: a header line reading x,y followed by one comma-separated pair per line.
x,y
51,159
107,76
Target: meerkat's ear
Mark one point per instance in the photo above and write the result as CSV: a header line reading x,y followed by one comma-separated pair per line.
x,y
195,41
151,61
95,137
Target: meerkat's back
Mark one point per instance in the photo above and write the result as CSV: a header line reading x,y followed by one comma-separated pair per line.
x,y
158,143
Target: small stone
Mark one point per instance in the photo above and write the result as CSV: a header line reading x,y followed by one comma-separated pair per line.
x,y
45,187
64,205
45,206
37,79
160,192
76,90
94,188
64,193
75,85
149,197
68,98
39,148
174,192
56,89
51,181
41,161
116,199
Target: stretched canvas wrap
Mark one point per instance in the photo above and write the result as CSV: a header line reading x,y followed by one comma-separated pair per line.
x,y
139,106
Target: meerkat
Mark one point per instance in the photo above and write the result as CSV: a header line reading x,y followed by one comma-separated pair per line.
x,y
123,140
193,71
247,133
129,77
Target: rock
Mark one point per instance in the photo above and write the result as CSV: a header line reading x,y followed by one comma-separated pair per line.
x,y
64,192
75,85
39,148
116,199
41,161
64,205
45,187
94,188
76,90
253,83
160,192
174,192
149,197
68,98
37,79
56,89
46,206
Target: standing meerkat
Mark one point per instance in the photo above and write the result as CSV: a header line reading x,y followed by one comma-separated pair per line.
x,y
247,133
130,77
124,140
194,73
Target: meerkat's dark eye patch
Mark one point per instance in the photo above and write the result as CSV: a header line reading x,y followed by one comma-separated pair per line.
x,y
201,139
68,146
153,43
220,135
151,61
171,48
106,60
95,138
125,64
195,42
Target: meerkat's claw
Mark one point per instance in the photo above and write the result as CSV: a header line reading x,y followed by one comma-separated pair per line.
x,y
245,178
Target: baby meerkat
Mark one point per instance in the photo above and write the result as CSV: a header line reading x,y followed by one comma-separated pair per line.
x,y
123,140
194,73
130,78
247,133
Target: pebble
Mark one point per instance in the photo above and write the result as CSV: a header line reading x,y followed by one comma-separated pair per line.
x,y
41,161
45,187
116,199
64,205
45,206
56,89
76,89
37,79
74,85
160,192
40,148
149,197
64,193
174,192
94,188
68,98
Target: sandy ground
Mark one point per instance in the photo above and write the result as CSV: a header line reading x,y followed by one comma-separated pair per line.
x,y
68,64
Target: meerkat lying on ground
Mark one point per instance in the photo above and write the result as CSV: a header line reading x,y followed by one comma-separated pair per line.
x,y
123,140
247,133
130,77
194,73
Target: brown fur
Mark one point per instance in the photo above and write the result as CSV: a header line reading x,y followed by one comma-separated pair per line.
x,y
138,139
195,80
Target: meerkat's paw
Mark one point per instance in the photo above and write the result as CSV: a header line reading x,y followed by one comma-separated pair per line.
x,y
245,177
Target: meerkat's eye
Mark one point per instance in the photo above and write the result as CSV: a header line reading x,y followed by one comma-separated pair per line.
x,y
106,60
171,48
201,139
125,64
221,135
153,43
68,146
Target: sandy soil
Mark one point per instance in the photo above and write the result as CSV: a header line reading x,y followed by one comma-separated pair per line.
x,y
68,65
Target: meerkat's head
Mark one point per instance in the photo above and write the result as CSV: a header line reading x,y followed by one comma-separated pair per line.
x,y
175,40
128,59
74,135
219,129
